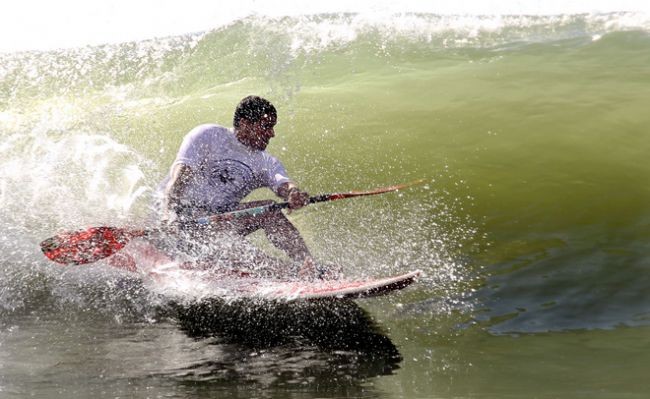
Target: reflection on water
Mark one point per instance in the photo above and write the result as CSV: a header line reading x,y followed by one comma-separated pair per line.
x,y
328,324
326,341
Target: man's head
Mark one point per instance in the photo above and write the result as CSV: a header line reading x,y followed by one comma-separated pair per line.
x,y
254,120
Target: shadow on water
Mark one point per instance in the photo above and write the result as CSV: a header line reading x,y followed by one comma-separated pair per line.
x,y
327,342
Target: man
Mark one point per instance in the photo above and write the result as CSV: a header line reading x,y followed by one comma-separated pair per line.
x,y
216,167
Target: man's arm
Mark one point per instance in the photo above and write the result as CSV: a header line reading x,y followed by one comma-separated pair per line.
x,y
180,178
293,195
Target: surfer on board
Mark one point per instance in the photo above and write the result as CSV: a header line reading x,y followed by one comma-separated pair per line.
x,y
216,167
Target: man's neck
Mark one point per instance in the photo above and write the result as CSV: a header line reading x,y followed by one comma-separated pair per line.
x,y
243,140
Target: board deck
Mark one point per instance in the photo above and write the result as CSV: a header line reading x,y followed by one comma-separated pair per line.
x,y
203,285
338,289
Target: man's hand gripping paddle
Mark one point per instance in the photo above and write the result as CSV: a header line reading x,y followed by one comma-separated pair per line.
x,y
96,243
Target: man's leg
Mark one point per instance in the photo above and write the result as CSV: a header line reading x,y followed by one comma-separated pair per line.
x,y
278,229
285,236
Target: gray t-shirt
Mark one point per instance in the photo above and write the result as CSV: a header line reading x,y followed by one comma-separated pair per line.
x,y
225,170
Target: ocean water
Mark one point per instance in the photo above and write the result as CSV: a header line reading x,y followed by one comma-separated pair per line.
x,y
533,227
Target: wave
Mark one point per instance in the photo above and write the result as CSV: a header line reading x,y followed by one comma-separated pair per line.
x,y
273,44
531,128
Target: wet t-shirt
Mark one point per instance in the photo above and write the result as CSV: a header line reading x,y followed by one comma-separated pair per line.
x,y
225,170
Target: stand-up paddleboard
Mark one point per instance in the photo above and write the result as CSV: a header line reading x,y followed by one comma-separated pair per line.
x,y
171,278
175,282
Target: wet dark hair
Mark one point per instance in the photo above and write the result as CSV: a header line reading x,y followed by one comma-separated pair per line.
x,y
253,108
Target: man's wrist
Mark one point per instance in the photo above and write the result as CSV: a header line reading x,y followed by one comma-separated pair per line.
x,y
287,189
292,189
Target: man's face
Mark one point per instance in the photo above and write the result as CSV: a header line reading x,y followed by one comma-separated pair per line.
x,y
258,134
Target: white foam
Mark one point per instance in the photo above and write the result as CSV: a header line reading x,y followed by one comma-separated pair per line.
x,y
67,177
76,23
313,33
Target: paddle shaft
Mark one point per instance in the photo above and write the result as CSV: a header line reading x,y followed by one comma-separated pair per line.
x,y
258,210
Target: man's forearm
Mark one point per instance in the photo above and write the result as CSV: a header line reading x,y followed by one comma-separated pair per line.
x,y
177,185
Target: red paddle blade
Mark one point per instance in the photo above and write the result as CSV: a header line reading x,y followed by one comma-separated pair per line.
x,y
87,246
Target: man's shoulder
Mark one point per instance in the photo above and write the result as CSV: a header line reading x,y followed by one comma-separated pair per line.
x,y
209,129
268,158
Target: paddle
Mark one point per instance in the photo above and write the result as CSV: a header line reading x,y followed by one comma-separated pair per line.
x,y
95,243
